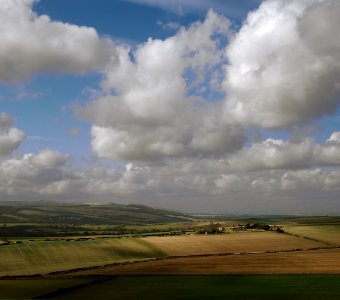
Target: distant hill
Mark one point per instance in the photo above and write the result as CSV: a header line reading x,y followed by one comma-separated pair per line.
x,y
47,212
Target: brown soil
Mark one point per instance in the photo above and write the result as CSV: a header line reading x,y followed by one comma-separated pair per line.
x,y
320,261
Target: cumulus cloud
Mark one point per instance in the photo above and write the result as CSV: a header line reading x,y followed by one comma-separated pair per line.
x,y
30,172
284,64
10,137
153,110
279,154
148,94
47,159
31,44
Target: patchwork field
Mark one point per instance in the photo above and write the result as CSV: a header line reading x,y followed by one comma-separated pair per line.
x,y
47,256
229,243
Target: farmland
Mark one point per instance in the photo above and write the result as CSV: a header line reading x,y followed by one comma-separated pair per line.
x,y
45,256
40,257
329,234
325,287
229,243
89,250
318,261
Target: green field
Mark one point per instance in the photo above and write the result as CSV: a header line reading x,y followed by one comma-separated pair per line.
x,y
32,288
41,257
329,234
185,287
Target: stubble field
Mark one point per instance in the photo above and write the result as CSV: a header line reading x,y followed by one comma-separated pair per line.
x,y
241,242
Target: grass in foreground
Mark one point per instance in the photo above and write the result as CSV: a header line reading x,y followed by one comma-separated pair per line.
x,y
212,287
32,288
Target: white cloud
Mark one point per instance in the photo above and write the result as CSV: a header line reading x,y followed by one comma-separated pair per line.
x,y
31,172
183,184
10,137
284,64
150,113
31,44
334,138
47,159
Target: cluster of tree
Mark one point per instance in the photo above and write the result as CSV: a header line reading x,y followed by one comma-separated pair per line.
x,y
212,228
258,226
262,226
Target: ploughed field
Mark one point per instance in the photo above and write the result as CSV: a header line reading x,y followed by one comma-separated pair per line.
x,y
320,261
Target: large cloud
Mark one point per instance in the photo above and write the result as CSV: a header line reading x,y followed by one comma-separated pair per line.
x,y
31,44
155,109
149,94
278,154
10,137
284,64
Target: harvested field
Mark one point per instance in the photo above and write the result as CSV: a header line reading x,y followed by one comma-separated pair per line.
x,y
323,261
326,233
229,243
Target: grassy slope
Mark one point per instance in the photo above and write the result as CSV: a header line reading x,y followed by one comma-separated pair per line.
x,y
47,256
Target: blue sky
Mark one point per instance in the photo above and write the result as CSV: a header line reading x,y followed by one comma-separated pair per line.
x,y
197,105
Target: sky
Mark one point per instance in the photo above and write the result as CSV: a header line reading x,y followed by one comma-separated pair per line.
x,y
219,106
